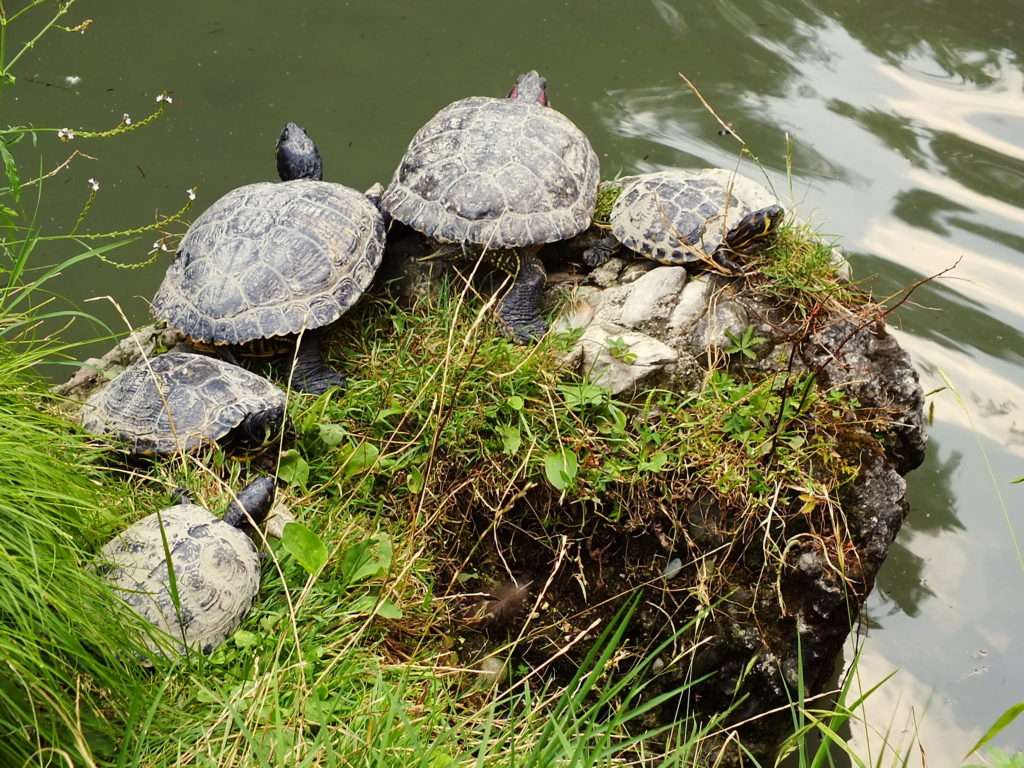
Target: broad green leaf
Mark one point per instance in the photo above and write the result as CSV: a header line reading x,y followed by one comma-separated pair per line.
x,y
510,439
332,435
293,469
561,468
358,458
305,546
515,402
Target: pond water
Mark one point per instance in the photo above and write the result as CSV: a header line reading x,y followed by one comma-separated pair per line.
x,y
905,122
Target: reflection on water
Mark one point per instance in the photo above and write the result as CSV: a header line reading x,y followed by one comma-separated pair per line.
x,y
905,125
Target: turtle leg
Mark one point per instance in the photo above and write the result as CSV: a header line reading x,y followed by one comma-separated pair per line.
x,y
519,311
310,374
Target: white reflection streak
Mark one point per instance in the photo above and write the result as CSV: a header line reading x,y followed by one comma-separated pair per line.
x,y
946,107
974,382
915,712
987,281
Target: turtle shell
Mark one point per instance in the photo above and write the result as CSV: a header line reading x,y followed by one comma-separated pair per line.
x,y
496,172
179,401
681,216
216,572
272,259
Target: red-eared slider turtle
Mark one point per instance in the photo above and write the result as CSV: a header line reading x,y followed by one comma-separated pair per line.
x,y
502,175
215,563
179,401
275,259
686,216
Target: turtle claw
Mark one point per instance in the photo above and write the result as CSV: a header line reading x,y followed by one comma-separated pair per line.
x,y
524,331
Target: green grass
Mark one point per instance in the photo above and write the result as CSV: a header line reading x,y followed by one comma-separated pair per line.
x,y
67,683
798,269
446,438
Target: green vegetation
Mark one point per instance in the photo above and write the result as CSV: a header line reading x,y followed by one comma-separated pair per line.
x,y
798,268
607,194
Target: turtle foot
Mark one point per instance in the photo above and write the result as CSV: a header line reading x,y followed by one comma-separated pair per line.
x,y
523,331
519,312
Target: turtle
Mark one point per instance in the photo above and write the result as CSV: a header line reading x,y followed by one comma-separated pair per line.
x,y
215,563
680,216
181,401
502,177
276,259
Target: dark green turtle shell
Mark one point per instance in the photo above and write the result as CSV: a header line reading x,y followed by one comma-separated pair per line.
x,y
499,173
272,259
179,401
680,216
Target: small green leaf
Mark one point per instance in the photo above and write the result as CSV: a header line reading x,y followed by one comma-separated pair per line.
x,y
515,402
387,413
11,169
369,605
577,396
367,559
293,469
615,421
305,546
561,468
358,458
243,638
510,439
414,480
332,434
1017,481
655,463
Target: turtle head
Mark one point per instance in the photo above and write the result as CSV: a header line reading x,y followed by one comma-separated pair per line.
x,y
754,228
252,504
531,88
297,155
259,427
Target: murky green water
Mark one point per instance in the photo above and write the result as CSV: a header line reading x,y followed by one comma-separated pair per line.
x,y
907,128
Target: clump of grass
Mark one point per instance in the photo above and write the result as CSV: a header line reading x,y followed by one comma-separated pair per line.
x,y
798,267
607,193
67,683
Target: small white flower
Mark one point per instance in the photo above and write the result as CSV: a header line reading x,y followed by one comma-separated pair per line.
x,y
65,134
94,185
126,119
165,97
72,80
191,192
